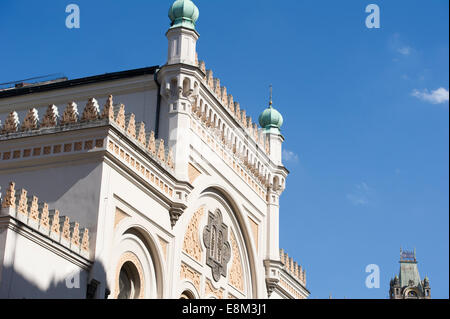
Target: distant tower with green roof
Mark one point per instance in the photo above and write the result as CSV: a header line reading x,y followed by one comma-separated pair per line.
x,y
407,284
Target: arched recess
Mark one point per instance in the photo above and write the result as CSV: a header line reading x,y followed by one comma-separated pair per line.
x,y
236,224
134,240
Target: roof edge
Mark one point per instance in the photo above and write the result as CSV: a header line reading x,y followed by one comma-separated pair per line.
x,y
80,81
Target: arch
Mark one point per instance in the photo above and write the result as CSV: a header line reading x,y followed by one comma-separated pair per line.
x,y
186,86
127,231
240,224
221,195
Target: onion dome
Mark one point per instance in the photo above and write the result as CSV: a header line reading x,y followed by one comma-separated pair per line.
x,y
183,13
270,118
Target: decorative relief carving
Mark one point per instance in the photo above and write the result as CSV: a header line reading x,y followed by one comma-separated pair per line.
x,y
55,223
66,229
45,220
9,201
76,235
255,231
131,128
130,257
91,111
161,151
191,243
120,119
23,203
108,109
215,238
142,138
193,173
51,117
119,216
170,161
11,123
236,271
190,274
211,291
152,144
34,209
85,240
70,114
31,121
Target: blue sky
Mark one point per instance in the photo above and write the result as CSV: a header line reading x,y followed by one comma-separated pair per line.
x,y
366,112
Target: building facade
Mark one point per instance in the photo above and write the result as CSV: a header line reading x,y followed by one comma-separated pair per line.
x,y
407,284
147,183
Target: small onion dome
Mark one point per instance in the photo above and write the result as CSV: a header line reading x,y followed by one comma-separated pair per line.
x,y
270,118
183,13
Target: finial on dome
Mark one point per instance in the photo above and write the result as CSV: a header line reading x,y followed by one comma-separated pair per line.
x,y
183,13
270,100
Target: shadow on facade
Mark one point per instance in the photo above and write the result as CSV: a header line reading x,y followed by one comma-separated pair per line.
x,y
82,284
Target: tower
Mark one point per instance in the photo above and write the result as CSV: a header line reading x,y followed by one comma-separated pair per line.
x,y
407,284
179,79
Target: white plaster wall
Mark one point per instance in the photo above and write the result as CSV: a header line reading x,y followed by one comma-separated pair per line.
x,y
147,213
71,187
32,271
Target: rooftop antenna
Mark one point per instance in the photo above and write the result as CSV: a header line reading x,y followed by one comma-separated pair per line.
x,y
50,77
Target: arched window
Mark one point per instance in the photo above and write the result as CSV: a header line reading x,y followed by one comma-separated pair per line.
x,y
129,282
187,295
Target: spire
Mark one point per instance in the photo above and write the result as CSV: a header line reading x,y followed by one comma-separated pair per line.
x,y
270,99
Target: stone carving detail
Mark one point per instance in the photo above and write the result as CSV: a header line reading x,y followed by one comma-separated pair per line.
x,y
11,123
142,138
191,243
211,291
45,220
210,79
120,119
85,240
130,257
202,66
238,111
108,109
193,173
34,209
170,161
161,151
51,117
215,238
23,203
190,274
9,201
131,127
55,223
66,229
76,235
152,144
70,114
236,271
31,121
91,111
231,103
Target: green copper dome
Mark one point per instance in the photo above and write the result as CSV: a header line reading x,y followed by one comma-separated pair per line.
x,y
183,13
270,118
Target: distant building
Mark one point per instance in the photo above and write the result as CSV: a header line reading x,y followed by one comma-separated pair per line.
x,y
407,285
